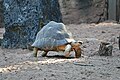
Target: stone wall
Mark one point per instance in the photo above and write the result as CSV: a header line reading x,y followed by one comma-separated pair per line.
x,y
83,11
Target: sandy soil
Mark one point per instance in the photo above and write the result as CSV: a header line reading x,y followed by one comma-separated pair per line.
x,y
18,64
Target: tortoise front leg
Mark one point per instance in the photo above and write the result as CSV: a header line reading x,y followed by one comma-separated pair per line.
x,y
77,52
67,50
77,49
35,50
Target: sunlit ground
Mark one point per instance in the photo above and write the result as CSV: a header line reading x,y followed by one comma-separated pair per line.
x,y
18,64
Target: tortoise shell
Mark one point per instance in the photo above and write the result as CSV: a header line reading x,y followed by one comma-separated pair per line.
x,y
51,35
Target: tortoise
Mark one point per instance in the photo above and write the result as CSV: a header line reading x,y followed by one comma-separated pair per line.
x,y
55,37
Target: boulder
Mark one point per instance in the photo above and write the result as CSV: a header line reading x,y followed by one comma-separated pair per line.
x,y
1,14
24,18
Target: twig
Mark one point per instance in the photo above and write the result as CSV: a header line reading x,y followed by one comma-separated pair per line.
x,y
82,64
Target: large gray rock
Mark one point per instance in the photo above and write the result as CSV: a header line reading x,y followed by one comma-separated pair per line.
x,y
24,18
1,14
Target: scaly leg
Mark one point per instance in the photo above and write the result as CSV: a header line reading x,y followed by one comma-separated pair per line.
x,y
77,52
67,50
35,50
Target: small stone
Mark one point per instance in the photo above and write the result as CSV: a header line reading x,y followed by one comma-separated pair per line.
x,y
103,32
118,67
52,74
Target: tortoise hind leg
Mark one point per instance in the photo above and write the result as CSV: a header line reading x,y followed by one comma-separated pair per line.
x,y
44,53
35,50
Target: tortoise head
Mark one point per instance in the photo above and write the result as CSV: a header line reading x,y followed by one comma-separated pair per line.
x,y
81,42
76,44
76,48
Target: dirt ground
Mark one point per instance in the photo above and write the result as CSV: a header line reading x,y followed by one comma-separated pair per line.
x,y
18,64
